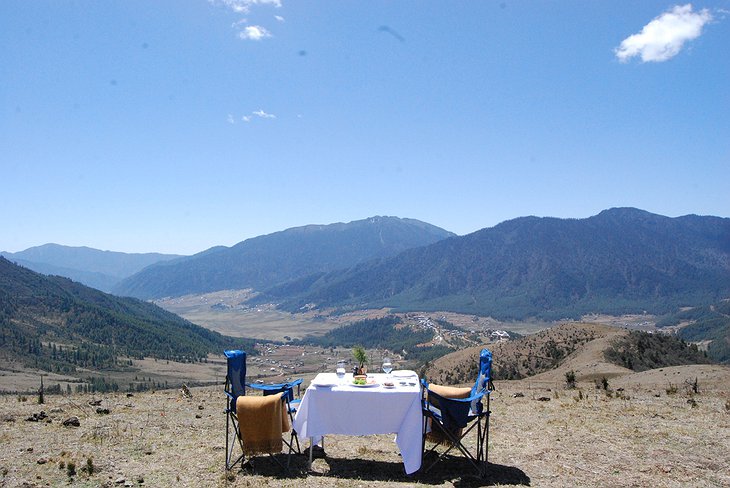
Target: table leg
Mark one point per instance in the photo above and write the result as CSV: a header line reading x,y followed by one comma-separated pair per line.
x,y
311,450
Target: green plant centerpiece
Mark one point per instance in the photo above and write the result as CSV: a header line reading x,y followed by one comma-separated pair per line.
x,y
361,358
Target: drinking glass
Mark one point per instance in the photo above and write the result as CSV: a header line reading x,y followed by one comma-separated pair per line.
x,y
341,368
387,367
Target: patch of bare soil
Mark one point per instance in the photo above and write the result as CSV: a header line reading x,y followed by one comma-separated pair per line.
x,y
639,435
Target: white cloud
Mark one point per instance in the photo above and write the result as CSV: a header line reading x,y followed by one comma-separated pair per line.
x,y
663,37
263,115
254,33
244,6
248,118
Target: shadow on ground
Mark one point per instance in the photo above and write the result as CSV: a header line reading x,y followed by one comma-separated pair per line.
x,y
455,470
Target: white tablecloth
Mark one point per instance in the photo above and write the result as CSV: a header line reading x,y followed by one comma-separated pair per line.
x,y
351,410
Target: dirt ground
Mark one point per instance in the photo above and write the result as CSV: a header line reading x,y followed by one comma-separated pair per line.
x,y
646,434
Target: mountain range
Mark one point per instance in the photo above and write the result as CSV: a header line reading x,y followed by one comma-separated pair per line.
x,y
623,260
264,261
98,269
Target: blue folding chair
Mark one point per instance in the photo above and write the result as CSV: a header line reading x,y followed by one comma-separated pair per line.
x,y
451,419
236,386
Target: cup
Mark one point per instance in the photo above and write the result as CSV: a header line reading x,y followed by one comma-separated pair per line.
x,y
341,369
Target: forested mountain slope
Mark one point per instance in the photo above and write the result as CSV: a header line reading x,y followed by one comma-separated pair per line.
x,y
621,260
56,324
265,261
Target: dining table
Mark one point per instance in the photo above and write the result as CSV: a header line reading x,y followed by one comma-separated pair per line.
x,y
336,405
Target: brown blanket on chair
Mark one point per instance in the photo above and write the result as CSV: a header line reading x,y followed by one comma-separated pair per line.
x,y
261,422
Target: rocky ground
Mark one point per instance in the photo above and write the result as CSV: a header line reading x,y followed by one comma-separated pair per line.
x,y
650,432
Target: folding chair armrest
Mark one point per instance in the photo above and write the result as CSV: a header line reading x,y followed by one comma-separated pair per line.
x,y
275,386
268,389
230,402
293,406
287,388
477,396
455,402
469,399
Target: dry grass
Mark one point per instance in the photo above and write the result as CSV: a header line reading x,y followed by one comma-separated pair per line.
x,y
619,438
631,438
224,312
646,429
287,362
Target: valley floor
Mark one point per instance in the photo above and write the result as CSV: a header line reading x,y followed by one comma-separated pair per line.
x,y
641,436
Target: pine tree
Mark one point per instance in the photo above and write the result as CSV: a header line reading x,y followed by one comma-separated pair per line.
x,y
41,400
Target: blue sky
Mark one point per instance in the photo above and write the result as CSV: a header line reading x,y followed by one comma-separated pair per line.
x,y
174,126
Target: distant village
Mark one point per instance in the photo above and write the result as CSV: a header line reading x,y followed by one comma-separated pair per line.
x,y
284,362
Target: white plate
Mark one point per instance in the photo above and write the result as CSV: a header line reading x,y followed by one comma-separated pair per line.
x,y
366,385
404,373
389,386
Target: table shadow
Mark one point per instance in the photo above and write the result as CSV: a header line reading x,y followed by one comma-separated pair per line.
x,y
456,470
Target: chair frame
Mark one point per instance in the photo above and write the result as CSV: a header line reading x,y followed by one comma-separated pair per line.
x,y
479,421
474,414
232,424
231,417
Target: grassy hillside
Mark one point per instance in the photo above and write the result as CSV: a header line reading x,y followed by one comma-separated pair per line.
x,y
639,351
708,323
591,351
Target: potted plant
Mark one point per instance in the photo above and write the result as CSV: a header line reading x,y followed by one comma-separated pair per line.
x,y
361,358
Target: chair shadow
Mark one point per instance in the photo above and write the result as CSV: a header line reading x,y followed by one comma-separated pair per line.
x,y
462,473
457,470
273,466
